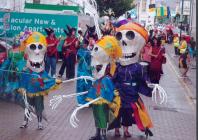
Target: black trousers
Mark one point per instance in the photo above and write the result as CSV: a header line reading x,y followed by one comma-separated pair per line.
x,y
69,64
124,118
176,51
38,103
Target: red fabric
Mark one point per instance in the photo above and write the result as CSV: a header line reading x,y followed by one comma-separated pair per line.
x,y
187,38
98,89
70,49
156,63
41,82
137,117
52,50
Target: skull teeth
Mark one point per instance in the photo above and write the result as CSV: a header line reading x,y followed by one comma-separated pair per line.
x,y
129,55
36,64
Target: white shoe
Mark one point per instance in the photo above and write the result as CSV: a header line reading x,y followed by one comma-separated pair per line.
x,y
40,126
79,105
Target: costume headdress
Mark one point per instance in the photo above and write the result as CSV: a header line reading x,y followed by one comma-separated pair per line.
x,y
49,31
112,48
136,27
69,30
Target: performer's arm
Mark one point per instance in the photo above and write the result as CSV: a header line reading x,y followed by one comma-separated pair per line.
x,y
143,87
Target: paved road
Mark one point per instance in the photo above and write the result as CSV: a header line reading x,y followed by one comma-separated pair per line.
x,y
174,121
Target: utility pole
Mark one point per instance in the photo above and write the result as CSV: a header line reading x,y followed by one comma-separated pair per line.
x,y
14,6
191,16
181,20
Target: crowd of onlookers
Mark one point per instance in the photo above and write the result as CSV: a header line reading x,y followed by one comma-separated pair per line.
x,y
67,50
185,49
153,53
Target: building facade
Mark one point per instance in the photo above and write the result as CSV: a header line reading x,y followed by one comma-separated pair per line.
x,y
193,19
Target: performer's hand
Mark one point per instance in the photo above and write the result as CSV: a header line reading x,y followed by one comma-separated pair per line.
x,y
157,89
58,81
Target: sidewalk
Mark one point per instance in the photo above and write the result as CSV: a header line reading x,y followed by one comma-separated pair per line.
x,y
174,121
189,82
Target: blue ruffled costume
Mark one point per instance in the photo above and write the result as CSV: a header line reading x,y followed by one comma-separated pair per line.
x,y
101,88
38,83
9,78
84,69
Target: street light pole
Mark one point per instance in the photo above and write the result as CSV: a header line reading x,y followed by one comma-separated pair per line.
x,y
181,19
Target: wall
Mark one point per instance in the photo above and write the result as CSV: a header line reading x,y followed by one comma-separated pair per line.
x,y
193,19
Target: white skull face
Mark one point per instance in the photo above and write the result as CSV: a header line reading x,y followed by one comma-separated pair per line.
x,y
131,43
99,61
35,57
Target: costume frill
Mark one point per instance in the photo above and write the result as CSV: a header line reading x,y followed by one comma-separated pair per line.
x,y
84,69
10,74
106,109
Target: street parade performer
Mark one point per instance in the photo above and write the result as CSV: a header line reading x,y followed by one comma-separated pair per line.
x,y
34,82
101,95
129,81
8,76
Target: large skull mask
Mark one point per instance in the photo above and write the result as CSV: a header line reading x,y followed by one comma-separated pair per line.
x,y
99,62
132,37
104,52
35,51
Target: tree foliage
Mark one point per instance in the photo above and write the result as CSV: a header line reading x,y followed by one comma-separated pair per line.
x,y
119,7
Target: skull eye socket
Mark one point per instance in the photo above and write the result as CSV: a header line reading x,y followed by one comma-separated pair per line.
x,y
33,47
119,36
130,35
40,47
96,49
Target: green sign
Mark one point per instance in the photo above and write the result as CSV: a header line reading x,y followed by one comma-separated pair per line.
x,y
18,22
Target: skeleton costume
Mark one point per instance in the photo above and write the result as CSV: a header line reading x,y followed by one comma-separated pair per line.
x,y
34,80
104,53
129,80
9,77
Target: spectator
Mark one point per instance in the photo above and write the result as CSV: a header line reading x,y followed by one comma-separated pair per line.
x,y
145,57
176,45
157,59
70,47
107,29
183,45
51,56
192,47
91,42
170,36
183,65
80,36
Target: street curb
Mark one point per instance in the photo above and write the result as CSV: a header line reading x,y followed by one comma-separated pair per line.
x,y
188,94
